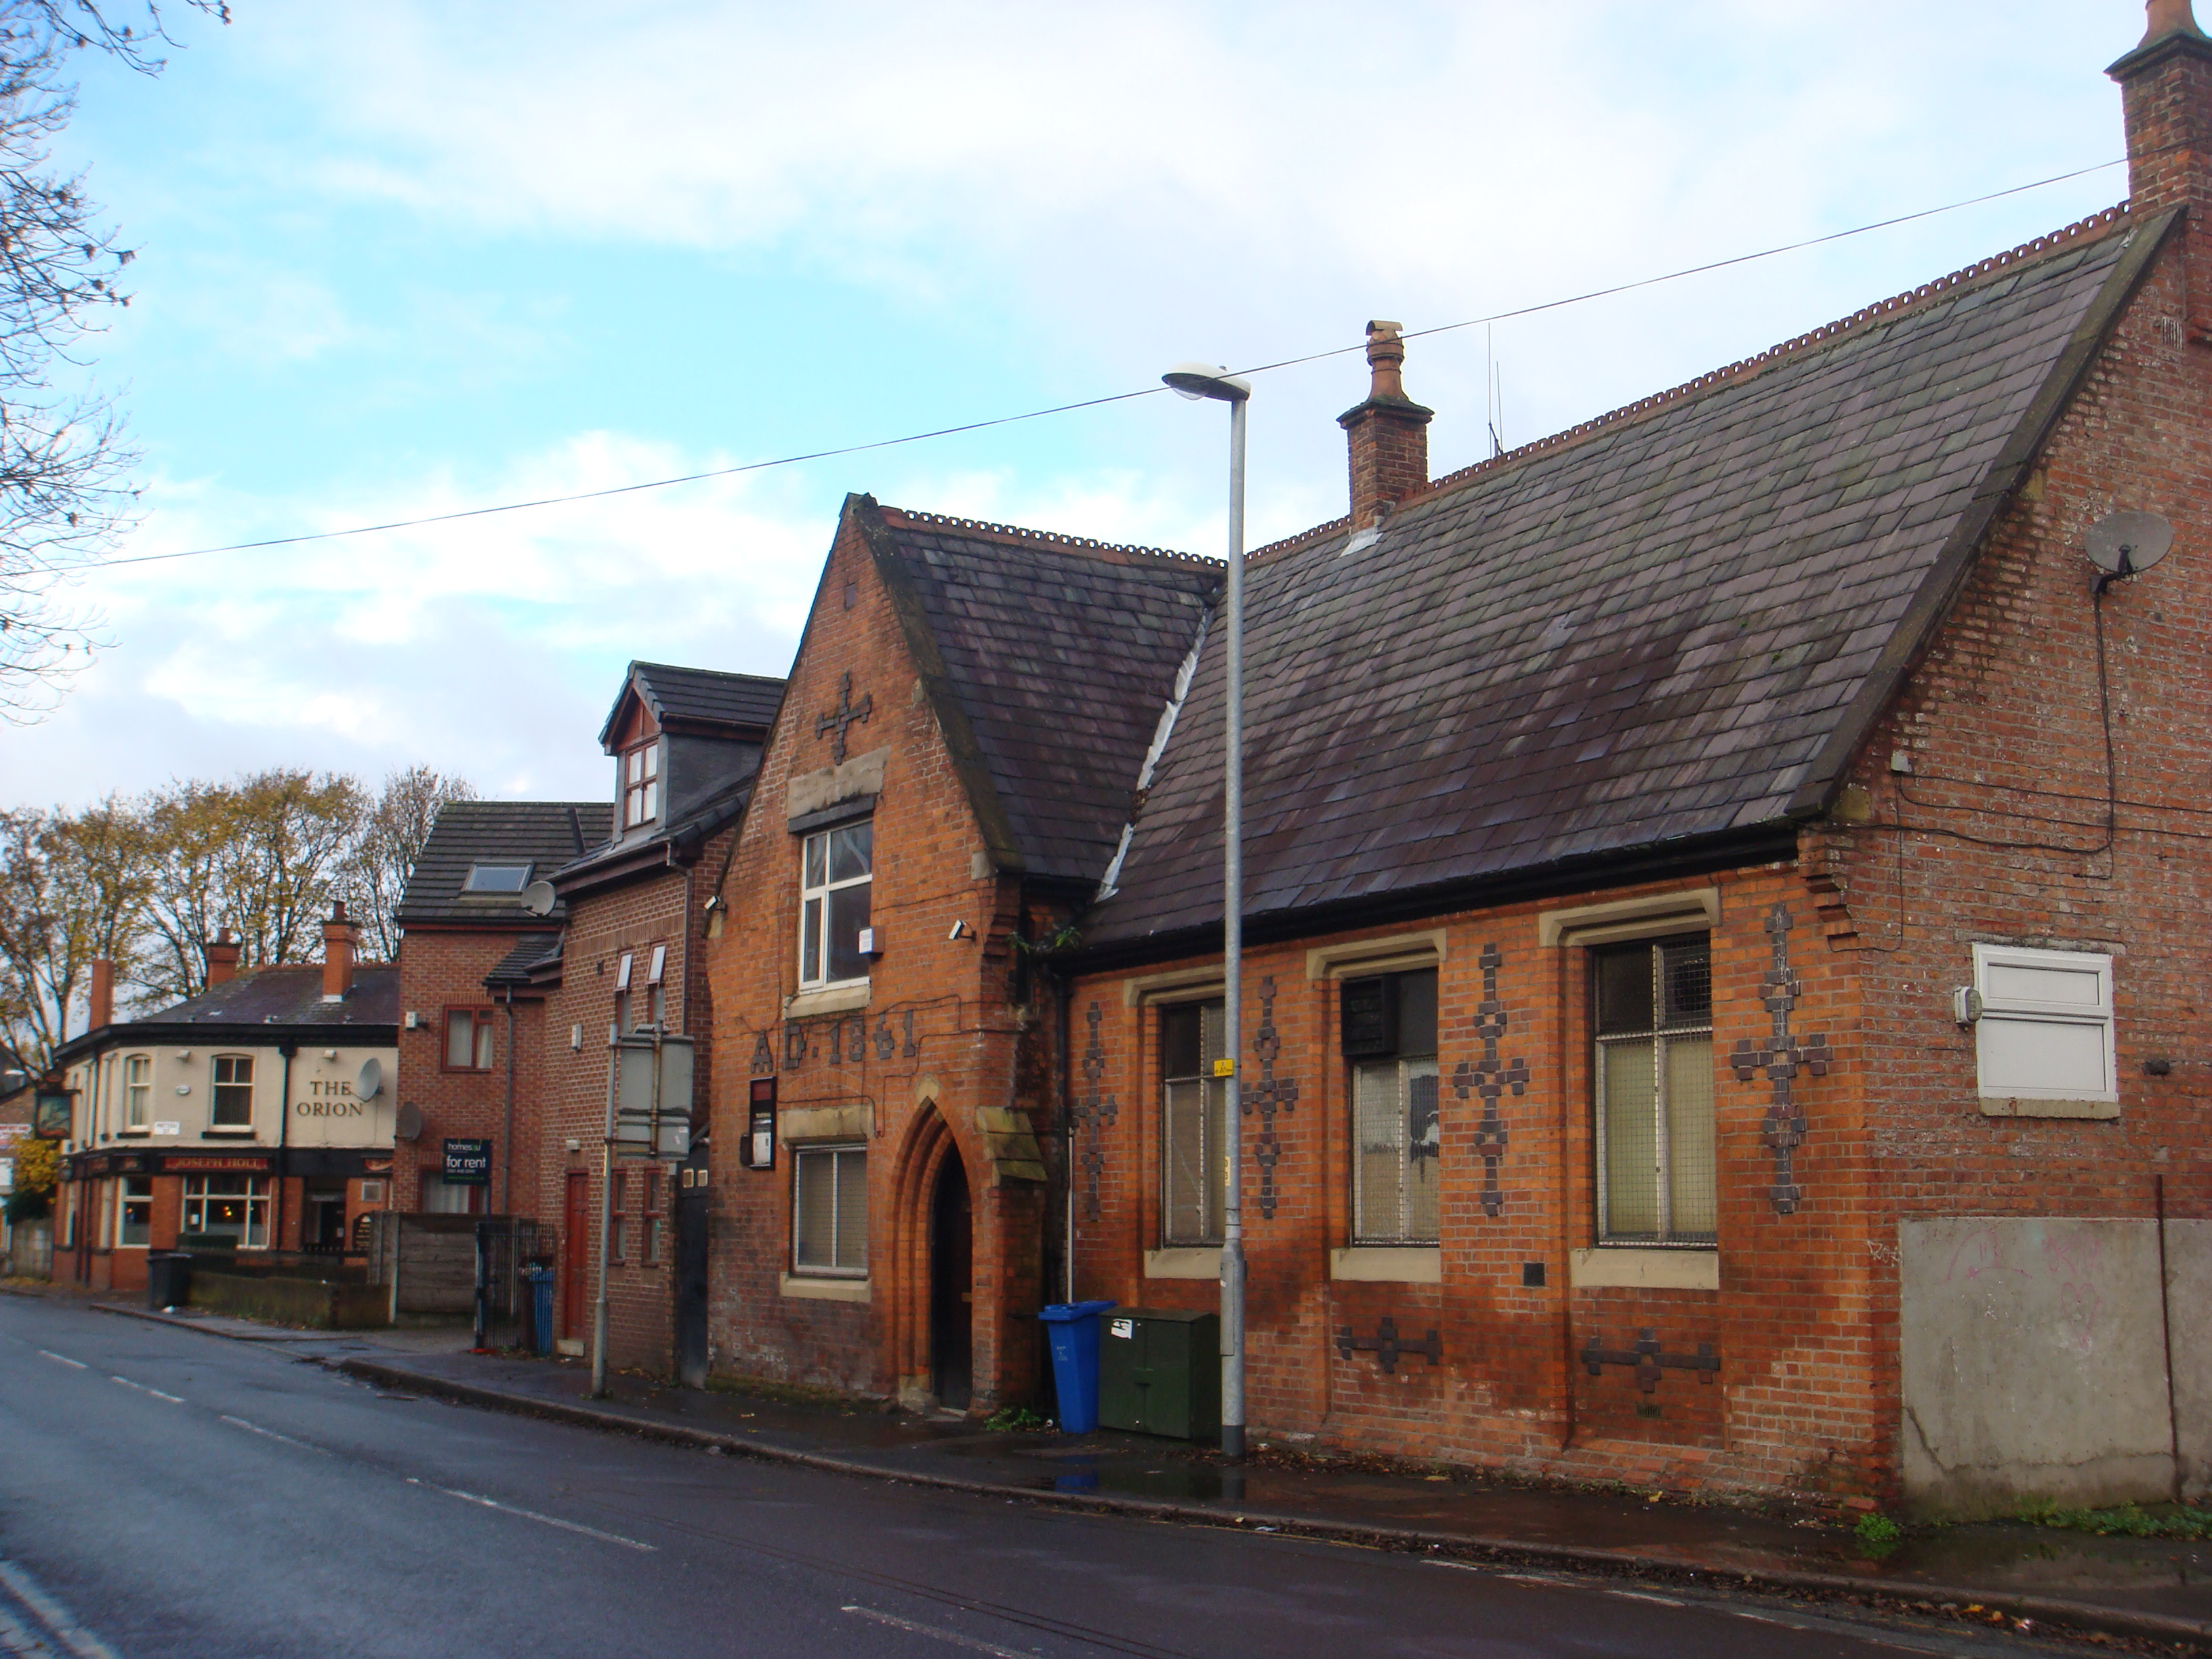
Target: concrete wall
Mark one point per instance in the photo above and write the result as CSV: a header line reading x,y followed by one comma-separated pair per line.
x,y
2033,1355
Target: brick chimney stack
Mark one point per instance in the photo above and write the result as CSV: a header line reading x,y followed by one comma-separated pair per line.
x,y
221,957
101,994
1389,433
341,938
2166,85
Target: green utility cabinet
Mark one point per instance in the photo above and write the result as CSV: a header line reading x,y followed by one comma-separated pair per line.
x,y
1159,1372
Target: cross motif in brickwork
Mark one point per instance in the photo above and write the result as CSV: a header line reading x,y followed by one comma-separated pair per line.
x,y
847,712
1488,1078
1648,1360
1093,1109
1269,1095
1780,1059
1387,1346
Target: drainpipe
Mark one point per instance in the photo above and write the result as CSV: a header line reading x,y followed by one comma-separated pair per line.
x,y
1067,1000
283,1147
507,1142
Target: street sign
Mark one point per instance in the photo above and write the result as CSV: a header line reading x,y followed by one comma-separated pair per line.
x,y
468,1163
652,1116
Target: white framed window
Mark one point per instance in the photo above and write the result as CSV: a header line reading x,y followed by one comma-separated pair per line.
x,y
656,986
134,1222
233,1107
830,1212
1658,1179
837,874
2046,1027
138,1091
234,1207
640,768
1389,1038
1193,1124
497,878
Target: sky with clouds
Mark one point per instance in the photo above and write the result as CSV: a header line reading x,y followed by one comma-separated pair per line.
x,y
398,259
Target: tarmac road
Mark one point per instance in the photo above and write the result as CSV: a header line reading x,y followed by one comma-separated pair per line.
x,y
164,1492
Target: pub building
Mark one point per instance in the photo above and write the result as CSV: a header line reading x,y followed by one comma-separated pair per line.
x,y
258,1112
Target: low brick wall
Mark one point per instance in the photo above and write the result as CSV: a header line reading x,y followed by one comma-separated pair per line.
x,y
293,1301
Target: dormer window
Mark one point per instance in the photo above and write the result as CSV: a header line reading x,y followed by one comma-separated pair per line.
x,y
497,878
641,771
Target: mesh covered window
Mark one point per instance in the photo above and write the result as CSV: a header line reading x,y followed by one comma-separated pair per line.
x,y
1654,1066
1193,1125
830,1211
1396,1135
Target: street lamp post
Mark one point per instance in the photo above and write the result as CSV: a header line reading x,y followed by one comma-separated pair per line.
x,y
1204,381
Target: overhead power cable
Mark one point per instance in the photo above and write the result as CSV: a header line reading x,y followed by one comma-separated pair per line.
x,y
1088,403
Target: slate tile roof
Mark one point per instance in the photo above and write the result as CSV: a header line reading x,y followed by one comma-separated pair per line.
x,y
1061,654
543,834
1643,631
532,951
701,698
284,996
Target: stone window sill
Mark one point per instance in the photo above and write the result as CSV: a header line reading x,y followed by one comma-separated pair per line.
x,y
2013,1106
1184,1262
1620,1267
1389,1264
829,1000
822,1290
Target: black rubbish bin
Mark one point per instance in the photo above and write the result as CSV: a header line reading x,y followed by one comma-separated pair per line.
x,y
168,1277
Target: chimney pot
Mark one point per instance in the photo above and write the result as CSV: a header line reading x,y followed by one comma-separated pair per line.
x,y
221,957
341,939
1388,436
101,994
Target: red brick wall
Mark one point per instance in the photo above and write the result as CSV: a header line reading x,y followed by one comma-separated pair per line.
x,y
443,968
938,1049
2002,730
631,917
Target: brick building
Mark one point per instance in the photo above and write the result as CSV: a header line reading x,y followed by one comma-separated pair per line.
x,y
259,1111
945,785
1713,1014
685,744
472,1039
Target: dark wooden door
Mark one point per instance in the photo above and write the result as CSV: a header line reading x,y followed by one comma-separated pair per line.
x,y
575,1253
692,1193
951,1288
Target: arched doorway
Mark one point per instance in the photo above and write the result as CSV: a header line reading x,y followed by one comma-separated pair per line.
x,y
951,1286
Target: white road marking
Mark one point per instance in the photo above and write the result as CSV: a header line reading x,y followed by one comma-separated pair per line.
x,y
255,1428
16,1638
56,1618
954,1636
173,1399
1639,1595
543,1520
65,1359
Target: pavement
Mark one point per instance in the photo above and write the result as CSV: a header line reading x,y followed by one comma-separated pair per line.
x,y
2152,1589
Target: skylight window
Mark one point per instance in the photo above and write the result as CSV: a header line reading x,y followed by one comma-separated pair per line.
x,y
497,878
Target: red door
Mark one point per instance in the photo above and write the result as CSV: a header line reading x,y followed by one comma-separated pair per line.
x,y
576,1257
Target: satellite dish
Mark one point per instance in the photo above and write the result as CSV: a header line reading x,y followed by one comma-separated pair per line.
x,y
540,898
2125,542
370,1083
410,1124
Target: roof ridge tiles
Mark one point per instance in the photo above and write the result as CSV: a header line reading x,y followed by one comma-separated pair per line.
x,y
1020,532
2096,224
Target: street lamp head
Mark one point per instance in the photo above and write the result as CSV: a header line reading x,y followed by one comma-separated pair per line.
x,y
1196,381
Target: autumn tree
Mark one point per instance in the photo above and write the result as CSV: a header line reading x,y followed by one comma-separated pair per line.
x,y
64,492
391,840
74,888
37,1168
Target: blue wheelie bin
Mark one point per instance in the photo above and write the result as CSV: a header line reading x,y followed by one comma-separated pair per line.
x,y
541,1308
1073,1328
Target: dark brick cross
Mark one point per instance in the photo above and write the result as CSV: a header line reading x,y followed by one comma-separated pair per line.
x,y
1093,1109
1489,1078
1780,1057
1386,1345
847,712
1270,1095
1648,1360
